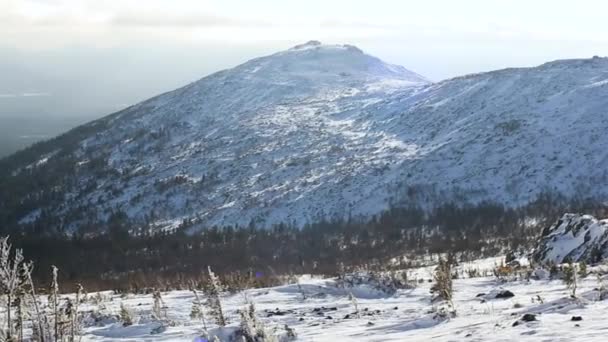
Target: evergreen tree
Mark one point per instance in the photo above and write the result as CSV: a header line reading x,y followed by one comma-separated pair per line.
x,y
214,290
570,278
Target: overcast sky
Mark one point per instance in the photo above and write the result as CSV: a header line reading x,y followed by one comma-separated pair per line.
x,y
92,57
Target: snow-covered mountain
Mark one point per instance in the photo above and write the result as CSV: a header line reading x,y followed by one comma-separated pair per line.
x,y
322,131
574,237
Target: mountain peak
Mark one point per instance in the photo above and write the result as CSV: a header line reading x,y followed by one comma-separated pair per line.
x,y
324,65
315,44
320,132
309,44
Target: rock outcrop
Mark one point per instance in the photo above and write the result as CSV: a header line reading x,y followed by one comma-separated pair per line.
x,y
574,237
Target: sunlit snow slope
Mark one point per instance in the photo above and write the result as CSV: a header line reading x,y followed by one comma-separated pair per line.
x,y
325,131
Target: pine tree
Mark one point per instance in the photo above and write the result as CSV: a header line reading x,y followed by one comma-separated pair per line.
x,y
582,269
570,278
252,329
213,291
443,281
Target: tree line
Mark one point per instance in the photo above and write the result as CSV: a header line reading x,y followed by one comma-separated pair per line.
x,y
121,260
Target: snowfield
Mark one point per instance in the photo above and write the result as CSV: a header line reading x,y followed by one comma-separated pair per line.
x,y
408,315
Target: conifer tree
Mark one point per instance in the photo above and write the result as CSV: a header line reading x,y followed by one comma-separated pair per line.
x,y
443,281
213,291
570,278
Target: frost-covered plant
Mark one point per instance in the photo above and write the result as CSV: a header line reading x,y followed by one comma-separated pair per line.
x,y
58,322
197,312
603,292
249,328
290,333
74,315
125,316
570,278
340,280
11,279
582,269
553,270
20,313
387,282
301,289
252,329
40,326
442,288
157,306
353,301
473,272
503,272
54,303
213,291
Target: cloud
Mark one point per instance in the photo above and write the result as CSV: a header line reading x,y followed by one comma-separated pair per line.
x,y
35,94
181,20
337,23
29,94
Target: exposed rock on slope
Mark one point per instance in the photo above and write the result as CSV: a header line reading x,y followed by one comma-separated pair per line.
x,y
574,237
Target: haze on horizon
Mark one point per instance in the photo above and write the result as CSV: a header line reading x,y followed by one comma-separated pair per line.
x,y
82,59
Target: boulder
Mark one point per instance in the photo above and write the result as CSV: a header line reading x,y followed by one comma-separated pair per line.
x,y
504,294
496,294
525,318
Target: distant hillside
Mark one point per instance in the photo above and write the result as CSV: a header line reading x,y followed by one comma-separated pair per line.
x,y
319,132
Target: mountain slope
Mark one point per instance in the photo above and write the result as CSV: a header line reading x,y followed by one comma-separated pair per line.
x,y
318,132
573,238
511,133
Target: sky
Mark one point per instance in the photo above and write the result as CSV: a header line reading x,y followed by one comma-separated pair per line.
x,y
93,57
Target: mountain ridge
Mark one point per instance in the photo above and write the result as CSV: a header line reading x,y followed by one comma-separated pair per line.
x,y
322,132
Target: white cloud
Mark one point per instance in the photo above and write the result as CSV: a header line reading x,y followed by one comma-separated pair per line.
x,y
115,22
406,31
33,94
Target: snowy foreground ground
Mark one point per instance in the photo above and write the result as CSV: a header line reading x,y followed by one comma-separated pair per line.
x,y
406,316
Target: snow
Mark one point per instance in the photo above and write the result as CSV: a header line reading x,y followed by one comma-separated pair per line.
x,y
575,237
306,132
407,315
